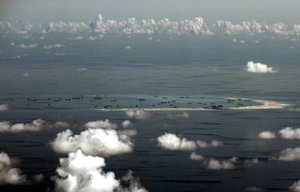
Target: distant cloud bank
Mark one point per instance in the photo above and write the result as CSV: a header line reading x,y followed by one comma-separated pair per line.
x,y
196,26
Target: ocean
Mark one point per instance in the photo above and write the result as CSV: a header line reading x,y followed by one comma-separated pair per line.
x,y
72,82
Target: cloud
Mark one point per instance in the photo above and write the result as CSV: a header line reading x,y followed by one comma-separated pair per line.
x,y
137,114
132,26
290,133
127,132
288,154
225,164
204,144
133,184
197,157
183,115
128,47
106,124
3,107
35,125
285,133
9,174
150,26
102,142
253,189
25,74
171,141
80,173
82,69
259,68
295,187
251,27
29,46
53,46
266,135
61,26
296,29
126,124
250,162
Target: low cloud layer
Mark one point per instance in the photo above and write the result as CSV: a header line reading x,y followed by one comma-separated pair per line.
x,y
80,173
102,142
137,114
34,126
259,68
9,174
171,141
3,107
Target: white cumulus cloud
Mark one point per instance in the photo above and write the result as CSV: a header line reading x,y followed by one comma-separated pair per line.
x,y
171,141
225,164
250,162
82,173
53,46
126,124
259,68
3,107
105,124
295,187
24,46
288,154
266,135
289,133
197,157
253,189
183,115
137,113
133,184
9,174
213,143
102,142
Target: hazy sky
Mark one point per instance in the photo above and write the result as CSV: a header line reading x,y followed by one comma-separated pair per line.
x,y
211,10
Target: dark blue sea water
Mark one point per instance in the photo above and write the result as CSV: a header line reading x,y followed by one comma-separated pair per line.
x,y
118,66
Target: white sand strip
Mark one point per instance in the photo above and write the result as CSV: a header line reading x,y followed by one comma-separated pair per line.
x,y
263,104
